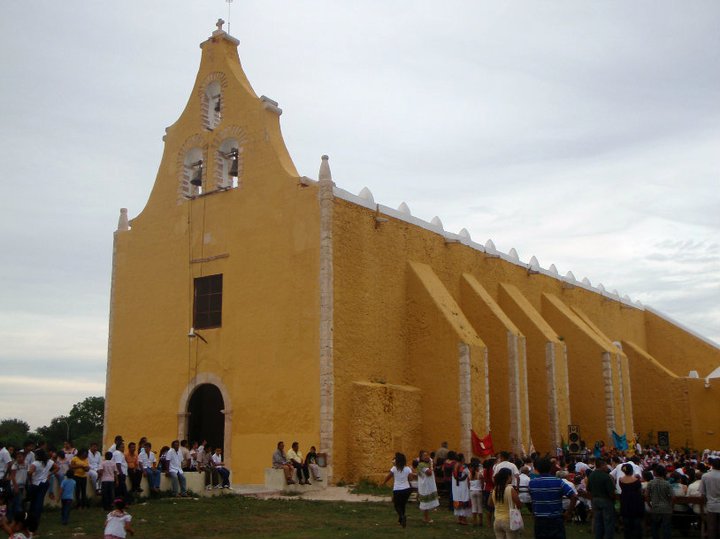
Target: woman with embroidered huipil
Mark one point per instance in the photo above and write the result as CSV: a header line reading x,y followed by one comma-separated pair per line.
x,y
427,489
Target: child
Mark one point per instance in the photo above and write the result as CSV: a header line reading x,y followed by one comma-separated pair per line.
x,y
18,481
107,474
117,523
67,491
22,526
476,491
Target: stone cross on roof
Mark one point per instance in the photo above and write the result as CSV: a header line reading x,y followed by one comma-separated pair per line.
x,y
219,24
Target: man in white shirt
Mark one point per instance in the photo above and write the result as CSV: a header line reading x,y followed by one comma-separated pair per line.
x,y
524,487
219,465
118,458
148,465
175,473
5,460
504,462
294,456
94,461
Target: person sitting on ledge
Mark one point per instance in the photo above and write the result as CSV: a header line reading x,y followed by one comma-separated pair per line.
x,y
280,462
311,463
295,458
219,465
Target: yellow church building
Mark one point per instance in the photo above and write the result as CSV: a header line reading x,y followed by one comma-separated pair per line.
x,y
250,304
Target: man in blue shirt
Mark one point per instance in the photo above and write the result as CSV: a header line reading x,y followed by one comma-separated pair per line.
x,y
547,493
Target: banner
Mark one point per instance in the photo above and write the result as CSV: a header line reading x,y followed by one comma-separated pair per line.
x,y
620,442
482,447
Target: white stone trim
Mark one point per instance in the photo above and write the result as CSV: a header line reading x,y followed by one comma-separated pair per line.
x,y
621,394
182,412
514,394
269,104
552,393
465,240
609,393
110,331
465,397
327,373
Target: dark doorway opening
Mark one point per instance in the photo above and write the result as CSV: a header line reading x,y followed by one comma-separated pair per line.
x,y
206,420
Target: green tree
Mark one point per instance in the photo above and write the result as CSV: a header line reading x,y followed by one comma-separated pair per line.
x,y
89,413
82,426
14,432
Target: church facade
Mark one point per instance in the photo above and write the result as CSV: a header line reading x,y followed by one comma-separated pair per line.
x,y
250,305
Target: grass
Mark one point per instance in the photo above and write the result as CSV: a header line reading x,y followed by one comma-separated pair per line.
x,y
230,516
365,486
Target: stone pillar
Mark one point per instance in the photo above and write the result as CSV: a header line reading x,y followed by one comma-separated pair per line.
x,y
327,380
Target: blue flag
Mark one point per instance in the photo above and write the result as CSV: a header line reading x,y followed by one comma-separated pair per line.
x,y
620,442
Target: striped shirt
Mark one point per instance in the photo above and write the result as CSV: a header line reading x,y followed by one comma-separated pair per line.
x,y
547,493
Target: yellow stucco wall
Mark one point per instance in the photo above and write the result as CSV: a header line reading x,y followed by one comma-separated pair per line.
x,y
547,374
677,349
384,415
660,398
266,236
507,376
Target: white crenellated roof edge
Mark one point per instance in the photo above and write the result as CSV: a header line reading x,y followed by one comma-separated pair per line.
x,y
610,296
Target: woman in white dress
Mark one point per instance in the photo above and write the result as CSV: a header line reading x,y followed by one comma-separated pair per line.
x,y
462,506
427,489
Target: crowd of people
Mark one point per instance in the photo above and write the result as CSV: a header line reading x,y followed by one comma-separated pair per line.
x,y
30,474
640,492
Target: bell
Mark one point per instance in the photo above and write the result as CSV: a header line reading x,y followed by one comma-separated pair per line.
x,y
233,163
197,176
217,104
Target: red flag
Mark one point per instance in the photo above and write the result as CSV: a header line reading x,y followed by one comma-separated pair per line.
x,y
482,447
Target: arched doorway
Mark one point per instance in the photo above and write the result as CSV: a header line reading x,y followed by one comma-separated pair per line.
x,y
206,418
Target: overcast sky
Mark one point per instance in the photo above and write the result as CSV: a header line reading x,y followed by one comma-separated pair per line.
x,y
584,133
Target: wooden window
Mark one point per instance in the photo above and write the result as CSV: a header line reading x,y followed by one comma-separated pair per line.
x,y
207,311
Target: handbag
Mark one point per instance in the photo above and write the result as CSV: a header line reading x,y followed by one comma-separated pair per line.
x,y
516,519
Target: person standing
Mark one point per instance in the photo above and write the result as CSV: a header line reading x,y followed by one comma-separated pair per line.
x,y
95,459
80,467
108,477
632,504
462,506
547,493
476,500
601,487
134,470
67,493
710,490
427,488
659,495
503,497
18,482
175,472
401,475
39,473
118,457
